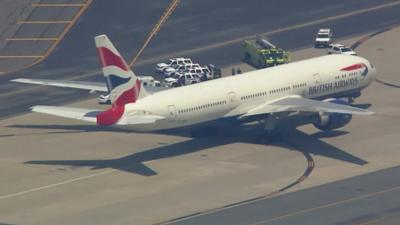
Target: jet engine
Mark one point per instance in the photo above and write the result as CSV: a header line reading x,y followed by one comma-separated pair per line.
x,y
331,121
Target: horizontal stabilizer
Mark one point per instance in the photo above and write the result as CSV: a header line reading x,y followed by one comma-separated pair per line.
x,y
68,112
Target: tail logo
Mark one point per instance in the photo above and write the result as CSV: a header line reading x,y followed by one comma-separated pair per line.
x,y
121,80
109,58
116,81
123,85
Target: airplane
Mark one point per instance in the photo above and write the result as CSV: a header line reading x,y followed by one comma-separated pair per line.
x,y
322,87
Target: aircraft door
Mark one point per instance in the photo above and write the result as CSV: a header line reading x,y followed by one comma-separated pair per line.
x,y
232,100
171,113
317,78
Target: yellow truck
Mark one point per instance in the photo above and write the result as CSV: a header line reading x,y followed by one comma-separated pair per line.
x,y
261,53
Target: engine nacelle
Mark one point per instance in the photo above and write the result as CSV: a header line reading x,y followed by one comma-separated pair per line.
x,y
331,121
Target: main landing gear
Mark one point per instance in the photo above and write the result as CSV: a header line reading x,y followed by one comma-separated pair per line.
x,y
272,131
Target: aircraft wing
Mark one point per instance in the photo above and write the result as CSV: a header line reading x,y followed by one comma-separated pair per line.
x,y
297,103
89,115
85,85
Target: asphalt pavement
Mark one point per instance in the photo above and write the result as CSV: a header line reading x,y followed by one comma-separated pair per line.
x,y
366,199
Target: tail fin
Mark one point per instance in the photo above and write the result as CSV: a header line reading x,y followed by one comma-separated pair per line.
x,y
124,86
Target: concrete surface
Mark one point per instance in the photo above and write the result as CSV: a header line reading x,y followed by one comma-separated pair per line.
x,y
60,171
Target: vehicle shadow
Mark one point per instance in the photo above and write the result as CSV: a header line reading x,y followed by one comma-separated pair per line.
x,y
291,139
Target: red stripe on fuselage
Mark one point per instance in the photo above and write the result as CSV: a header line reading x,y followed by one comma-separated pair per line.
x,y
353,67
108,58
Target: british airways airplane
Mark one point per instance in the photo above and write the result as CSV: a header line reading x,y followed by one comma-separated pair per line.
x,y
322,86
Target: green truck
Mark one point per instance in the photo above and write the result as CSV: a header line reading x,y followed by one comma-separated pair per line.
x,y
261,53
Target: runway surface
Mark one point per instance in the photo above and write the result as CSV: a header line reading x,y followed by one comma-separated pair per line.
x,y
207,31
366,199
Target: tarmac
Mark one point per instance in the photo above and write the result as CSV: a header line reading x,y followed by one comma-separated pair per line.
x,y
366,199
206,31
58,171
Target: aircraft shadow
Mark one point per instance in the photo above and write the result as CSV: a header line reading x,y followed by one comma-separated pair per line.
x,y
134,163
312,144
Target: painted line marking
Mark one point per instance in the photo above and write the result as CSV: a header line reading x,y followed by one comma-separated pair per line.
x,y
44,21
20,56
373,221
328,205
31,39
387,83
56,184
57,5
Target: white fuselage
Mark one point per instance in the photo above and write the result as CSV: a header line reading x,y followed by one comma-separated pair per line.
x,y
233,96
